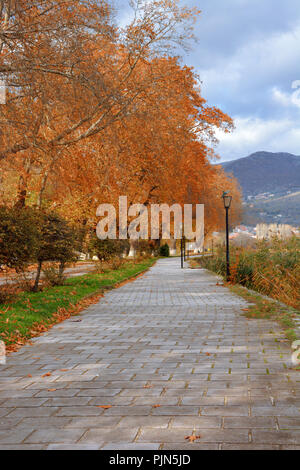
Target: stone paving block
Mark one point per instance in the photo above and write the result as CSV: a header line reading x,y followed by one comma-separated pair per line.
x,y
223,435
164,435
205,422
249,422
289,447
104,434
22,447
4,411
80,411
93,422
130,446
161,400
33,412
250,446
57,393
15,436
203,401
176,410
190,446
16,394
23,402
132,410
141,392
70,401
86,385
224,411
54,435
9,423
291,411
121,401
276,437
288,423
160,422
75,446
42,422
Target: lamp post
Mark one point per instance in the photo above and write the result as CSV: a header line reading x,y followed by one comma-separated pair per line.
x,y
181,246
181,251
227,202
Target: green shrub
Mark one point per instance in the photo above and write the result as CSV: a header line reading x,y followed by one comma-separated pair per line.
x,y
164,250
105,250
53,277
19,237
57,242
271,268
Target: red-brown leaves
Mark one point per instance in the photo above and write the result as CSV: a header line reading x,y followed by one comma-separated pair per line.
x,y
47,374
192,438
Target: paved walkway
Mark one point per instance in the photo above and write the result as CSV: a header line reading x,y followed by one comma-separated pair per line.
x,y
171,338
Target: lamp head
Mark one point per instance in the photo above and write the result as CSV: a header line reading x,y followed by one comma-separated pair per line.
x,y
226,199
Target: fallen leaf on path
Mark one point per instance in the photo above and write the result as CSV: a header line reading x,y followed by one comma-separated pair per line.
x,y
156,406
52,389
147,386
47,374
63,370
104,406
192,438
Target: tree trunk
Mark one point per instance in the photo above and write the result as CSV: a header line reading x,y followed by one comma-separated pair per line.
x,y
61,268
38,275
22,192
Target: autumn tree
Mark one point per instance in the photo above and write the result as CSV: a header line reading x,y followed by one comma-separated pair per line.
x,y
95,111
71,73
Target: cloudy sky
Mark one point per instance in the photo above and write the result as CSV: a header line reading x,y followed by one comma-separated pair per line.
x,y
248,58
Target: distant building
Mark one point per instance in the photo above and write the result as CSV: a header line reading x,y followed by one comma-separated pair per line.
x,y
268,231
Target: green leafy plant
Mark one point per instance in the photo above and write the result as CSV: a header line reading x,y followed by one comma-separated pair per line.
x,y
105,250
19,237
271,268
57,242
164,250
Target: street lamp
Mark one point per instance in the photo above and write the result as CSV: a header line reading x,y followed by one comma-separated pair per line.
x,y
182,255
227,203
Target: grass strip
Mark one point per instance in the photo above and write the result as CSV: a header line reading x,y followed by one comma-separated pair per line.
x,y
35,312
264,308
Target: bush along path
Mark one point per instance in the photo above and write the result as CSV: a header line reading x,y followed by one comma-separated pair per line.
x,y
35,312
272,268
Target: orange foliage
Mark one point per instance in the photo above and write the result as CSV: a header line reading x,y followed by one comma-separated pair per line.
x,y
94,112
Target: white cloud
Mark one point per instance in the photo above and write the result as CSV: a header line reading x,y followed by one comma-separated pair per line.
x,y
288,99
246,78
254,134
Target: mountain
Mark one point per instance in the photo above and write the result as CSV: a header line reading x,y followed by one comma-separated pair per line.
x,y
266,172
271,186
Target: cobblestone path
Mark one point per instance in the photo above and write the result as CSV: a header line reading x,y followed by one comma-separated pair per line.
x,y
171,338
